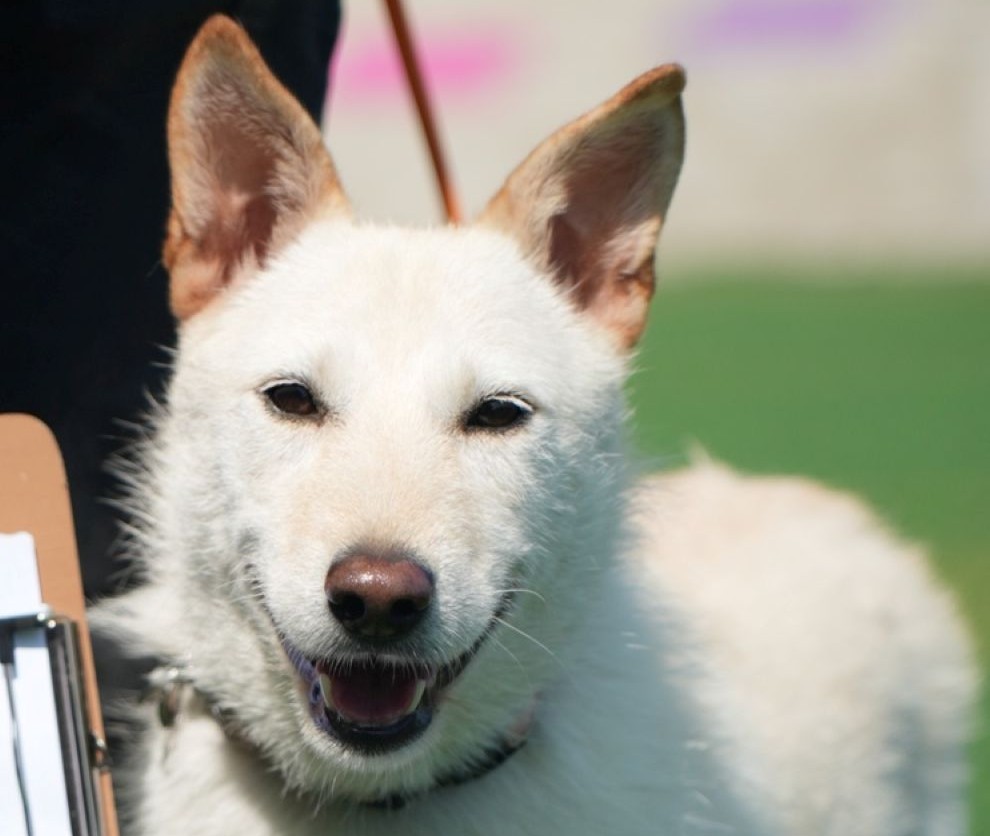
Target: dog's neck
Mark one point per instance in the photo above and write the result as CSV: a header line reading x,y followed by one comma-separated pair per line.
x,y
493,756
172,688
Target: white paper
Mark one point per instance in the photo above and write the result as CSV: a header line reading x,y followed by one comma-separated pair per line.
x,y
34,701
11,806
20,589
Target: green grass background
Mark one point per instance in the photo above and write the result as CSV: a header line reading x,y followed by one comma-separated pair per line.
x,y
871,385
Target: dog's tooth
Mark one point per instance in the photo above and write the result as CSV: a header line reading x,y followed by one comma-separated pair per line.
x,y
326,686
416,697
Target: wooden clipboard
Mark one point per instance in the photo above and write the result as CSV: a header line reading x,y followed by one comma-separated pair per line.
x,y
34,497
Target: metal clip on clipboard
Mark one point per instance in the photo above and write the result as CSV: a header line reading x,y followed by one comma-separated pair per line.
x,y
53,776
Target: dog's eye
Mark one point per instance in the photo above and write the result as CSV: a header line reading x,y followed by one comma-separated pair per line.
x,y
499,413
292,398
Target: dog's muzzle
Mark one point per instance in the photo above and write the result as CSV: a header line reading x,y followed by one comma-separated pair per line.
x,y
375,704
377,699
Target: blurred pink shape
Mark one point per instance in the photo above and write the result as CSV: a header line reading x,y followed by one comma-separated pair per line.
x,y
458,64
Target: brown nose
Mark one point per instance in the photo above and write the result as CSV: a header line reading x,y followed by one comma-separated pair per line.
x,y
378,597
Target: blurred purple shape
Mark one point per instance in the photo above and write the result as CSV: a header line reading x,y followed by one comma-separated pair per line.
x,y
742,23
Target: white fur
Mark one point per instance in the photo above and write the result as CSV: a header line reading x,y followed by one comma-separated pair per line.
x,y
700,654
708,653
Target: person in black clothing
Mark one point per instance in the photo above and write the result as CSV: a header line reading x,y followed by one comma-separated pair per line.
x,y
84,320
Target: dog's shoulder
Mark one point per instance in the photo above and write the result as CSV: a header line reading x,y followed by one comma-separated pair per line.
x,y
709,517
819,624
785,547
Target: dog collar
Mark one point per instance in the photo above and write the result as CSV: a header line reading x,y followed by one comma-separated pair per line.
x,y
171,686
494,756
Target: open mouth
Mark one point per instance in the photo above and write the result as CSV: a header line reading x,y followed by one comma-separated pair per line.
x,y
372,703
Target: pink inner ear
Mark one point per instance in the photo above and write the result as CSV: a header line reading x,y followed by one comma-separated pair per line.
x,y
241,232
241,162
243,210
612,190
248,167
587,205
572,259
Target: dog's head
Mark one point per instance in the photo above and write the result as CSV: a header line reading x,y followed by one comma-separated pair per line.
x,y
391,458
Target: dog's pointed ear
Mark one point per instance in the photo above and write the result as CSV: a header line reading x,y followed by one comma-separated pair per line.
x,y
249,167
587,205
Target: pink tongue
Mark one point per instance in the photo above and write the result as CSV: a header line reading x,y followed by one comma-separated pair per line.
x,y
373,696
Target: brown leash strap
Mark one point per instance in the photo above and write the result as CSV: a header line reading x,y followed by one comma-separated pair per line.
x,y
34,498
414,76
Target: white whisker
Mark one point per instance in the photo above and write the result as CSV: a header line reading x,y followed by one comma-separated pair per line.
x,y
526,635
523,591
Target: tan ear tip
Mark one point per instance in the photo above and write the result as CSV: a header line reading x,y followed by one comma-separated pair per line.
x,y
676,78
669,79
660,86
220,26
219,32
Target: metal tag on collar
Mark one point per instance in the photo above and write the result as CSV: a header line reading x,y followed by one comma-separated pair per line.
x,y
167,686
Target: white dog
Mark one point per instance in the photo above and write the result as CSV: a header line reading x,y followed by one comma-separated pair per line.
x,y
398,572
